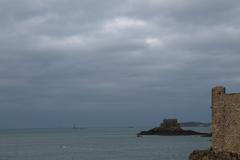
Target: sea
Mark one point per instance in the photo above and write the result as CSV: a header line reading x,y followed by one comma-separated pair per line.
x,y
97,143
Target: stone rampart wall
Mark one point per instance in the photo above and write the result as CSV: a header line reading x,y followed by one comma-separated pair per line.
x,y
225,121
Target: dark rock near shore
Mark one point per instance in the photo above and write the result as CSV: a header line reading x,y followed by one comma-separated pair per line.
x,y
170,127
210,155
172,132
207,135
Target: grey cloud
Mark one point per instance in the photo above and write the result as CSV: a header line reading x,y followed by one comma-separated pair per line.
x,y
92,63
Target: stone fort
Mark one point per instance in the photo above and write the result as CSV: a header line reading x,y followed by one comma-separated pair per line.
x,y
225,120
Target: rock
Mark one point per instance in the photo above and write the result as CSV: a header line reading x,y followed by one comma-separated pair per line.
x,y
210,155
170,127
207,135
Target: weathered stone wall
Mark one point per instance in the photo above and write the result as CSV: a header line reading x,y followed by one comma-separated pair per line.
x,y
225,121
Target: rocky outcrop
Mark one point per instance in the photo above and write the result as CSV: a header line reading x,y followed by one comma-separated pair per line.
x,y
157,131
170,127
210,155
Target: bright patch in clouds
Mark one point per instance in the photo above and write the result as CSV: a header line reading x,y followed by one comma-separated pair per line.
x,y
121,23
63,43
153,42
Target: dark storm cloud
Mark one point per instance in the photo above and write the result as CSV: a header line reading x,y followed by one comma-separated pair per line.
x,y
93,63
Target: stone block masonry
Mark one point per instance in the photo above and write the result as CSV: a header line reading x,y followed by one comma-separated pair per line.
x,y
225,120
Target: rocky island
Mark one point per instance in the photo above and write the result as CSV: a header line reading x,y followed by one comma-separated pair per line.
x,y
170,127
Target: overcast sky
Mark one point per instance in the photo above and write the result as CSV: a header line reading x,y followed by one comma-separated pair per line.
x,y
115,62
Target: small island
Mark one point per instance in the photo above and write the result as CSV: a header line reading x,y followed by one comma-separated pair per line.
x,y
170,127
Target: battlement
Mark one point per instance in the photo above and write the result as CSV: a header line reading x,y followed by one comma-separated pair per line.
x,y
225,120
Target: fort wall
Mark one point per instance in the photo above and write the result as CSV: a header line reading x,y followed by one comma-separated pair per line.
x,y
225,120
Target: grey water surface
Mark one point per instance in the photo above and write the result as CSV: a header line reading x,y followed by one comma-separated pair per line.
x,y
96,144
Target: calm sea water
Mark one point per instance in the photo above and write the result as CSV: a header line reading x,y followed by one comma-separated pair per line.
x,y
96,144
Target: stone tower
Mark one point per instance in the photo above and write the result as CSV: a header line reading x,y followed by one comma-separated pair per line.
x,y
170,124
225,120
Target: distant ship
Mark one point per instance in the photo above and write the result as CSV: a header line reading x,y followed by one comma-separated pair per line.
x,y
75,127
